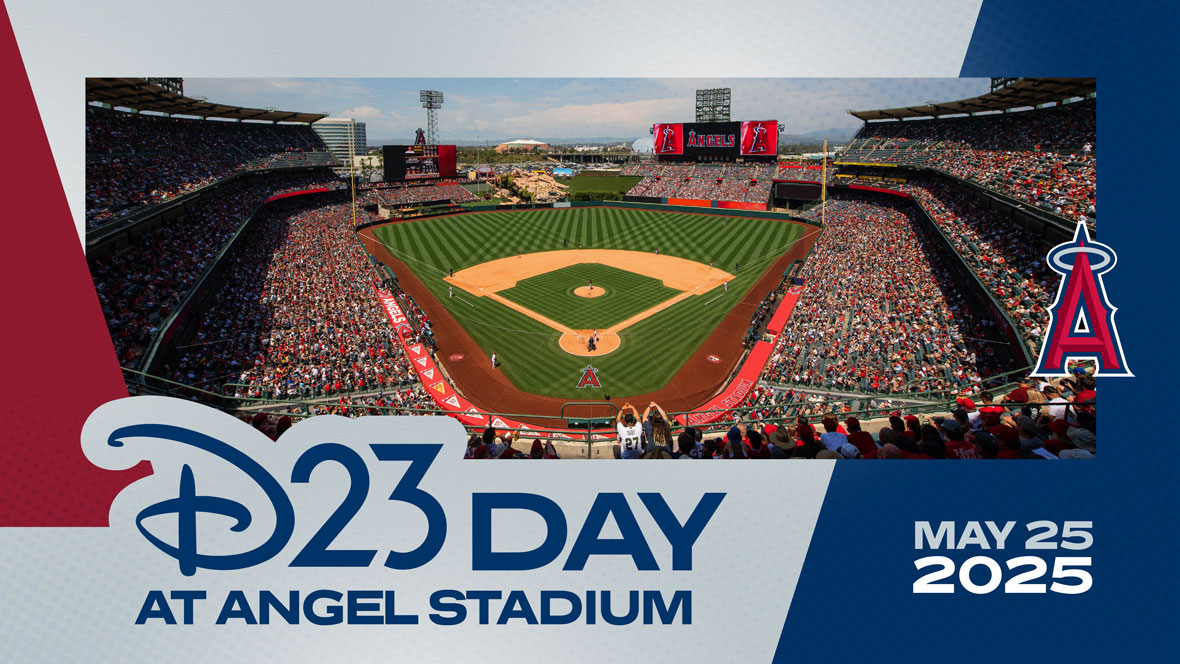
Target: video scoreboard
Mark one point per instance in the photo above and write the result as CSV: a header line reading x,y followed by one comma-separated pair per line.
x,y
718,139
418,162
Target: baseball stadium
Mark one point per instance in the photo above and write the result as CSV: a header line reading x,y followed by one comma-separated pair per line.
x,y
716,295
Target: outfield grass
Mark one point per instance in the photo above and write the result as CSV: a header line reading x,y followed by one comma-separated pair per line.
x,y
552,295
617,183
653,349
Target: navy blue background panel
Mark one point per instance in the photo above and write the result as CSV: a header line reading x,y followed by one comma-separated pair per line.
x,y
854,600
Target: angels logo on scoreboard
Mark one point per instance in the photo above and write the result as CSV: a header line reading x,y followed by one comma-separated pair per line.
x,y
760,138
669,138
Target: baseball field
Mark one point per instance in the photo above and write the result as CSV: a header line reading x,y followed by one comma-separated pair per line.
x,y
533,287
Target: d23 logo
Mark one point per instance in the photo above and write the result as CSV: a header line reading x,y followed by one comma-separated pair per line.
x,y
1081,319
189,503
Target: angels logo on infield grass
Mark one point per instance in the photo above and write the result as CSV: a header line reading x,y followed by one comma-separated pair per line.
x,y
1081,319
589,378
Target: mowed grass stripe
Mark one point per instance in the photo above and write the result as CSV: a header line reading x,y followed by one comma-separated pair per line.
x,y
653,349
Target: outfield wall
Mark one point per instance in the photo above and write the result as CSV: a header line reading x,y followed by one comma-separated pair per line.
x,y
634,203
698,203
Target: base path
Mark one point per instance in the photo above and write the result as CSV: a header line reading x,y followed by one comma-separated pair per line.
x,y
697,381
688,277
503,273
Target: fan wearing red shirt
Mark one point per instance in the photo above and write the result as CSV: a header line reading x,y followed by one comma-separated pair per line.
x,y
956,446
863,440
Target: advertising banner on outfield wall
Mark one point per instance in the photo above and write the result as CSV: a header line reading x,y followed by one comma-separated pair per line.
x,y
196,464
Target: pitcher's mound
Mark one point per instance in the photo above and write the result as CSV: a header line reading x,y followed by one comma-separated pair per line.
x,y
586,291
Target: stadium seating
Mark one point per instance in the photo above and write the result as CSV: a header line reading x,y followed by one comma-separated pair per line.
x,y
140,286
880,312
800,171
1044,156
880,323
430,193
298,318
134,159
1009,260
716,182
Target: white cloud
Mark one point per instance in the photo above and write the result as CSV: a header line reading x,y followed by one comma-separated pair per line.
x,y
362,113
613,116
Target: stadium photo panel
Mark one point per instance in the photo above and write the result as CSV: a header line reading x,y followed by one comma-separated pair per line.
x,y
879,292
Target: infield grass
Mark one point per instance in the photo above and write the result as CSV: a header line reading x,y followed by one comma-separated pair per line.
x,y
625,294
652,350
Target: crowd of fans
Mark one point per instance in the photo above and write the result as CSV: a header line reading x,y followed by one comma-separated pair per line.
x,y
1062,127
431,193
134,160
801,171
1064,184
1043,156
707,170
725,189
1037,420
1009,260
298,317
418,318
141,285
880,312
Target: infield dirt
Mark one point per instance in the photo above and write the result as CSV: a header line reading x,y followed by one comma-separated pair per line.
x,y
689,277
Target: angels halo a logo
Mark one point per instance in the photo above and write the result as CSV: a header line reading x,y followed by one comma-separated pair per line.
x,y
1081,318
589,378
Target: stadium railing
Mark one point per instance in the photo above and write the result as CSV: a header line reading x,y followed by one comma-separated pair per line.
x,y
997,382
941,402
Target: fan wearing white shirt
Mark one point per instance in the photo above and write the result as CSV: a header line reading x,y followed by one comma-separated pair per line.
x,y
630,432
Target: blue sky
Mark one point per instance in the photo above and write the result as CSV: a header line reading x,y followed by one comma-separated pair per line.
x,y
507,108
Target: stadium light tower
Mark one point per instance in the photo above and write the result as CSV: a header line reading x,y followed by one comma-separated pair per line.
x,y
432,100
713,105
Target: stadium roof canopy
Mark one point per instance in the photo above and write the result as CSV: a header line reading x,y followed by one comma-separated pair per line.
x,y
1017,94
143,96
